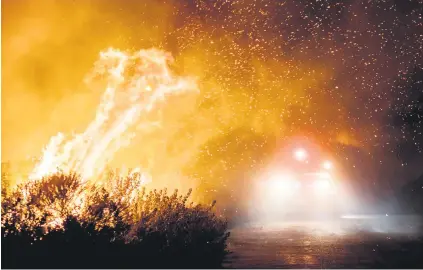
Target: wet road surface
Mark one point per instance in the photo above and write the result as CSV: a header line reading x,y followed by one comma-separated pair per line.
x,y
316,245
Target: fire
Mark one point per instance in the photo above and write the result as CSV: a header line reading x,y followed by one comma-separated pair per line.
x,y
136,84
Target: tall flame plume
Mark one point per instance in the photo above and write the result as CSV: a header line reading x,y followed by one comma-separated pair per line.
x,y
136,84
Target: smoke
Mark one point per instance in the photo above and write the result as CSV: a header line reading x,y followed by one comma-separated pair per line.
x,y
268,68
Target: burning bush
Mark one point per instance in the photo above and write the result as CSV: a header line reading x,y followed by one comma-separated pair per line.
x,y
60,221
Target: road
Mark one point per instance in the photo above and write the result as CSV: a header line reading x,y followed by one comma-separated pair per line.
x,y
316,245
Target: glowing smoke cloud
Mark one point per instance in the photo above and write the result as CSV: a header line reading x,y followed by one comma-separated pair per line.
x,y
136,83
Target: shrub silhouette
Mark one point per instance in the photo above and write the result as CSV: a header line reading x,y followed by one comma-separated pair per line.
x,y
118,226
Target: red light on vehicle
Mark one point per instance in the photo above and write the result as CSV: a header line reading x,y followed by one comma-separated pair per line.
x,y
300,154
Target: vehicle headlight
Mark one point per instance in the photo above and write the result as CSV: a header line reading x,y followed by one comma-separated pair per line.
x,y
323,185
327,165
283,182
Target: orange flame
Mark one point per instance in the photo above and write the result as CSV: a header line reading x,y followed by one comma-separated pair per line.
x,y
136,83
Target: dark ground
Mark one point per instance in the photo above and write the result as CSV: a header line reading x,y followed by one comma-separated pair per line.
x,y
314,245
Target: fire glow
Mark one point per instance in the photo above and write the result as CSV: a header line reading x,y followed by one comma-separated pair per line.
x,y
136,83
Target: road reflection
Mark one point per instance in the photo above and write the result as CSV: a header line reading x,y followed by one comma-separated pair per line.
x,y
322,245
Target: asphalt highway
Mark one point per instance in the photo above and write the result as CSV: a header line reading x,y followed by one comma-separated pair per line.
x,y
320,244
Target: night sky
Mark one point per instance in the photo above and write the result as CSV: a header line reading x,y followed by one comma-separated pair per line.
x,y
348,73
